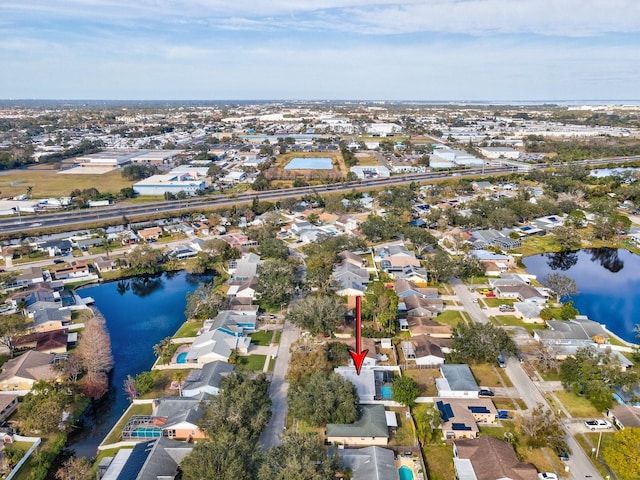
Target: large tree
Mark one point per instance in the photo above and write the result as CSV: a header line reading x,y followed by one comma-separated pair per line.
x,y
94,352
440,266
40,411
623,453
427,423
380,305
301,456
594,373
223,457
405,390
480,342
323,398
277,282
318,314
12,326
562,285
205,302
542,428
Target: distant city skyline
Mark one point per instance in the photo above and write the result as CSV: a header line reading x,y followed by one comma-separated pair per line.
x,y
438,50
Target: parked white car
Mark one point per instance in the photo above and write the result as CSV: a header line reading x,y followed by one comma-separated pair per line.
x,y
547,476
597,423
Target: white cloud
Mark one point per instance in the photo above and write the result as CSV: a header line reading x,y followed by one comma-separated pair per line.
x,y
475,17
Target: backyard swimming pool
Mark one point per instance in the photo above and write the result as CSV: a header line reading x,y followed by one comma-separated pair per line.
x,y
310,163
405,473
386,392
182,357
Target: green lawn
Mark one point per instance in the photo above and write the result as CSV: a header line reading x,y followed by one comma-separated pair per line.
x,y
449,317
506,403
276,340
255,362
425,378
513,321
261,337
485,375
496,302
439,461
139,409
405,434
578,407
188,329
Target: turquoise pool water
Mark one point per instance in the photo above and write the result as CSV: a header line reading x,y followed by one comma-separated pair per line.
x,y
405,473
182,357
386,392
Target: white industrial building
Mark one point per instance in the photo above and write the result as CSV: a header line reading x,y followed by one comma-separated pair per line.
x,y
500,152
116,158
457,157
383,129
370,171
170,183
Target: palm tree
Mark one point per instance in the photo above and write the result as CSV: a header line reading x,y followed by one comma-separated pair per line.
x,y
29,190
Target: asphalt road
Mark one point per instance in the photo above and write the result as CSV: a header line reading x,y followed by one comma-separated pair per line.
x,y
580,467
279,388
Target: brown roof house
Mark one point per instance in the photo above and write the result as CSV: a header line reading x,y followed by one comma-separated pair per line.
x,y
424,350
487,458
425,326
460,416
151,234
75,269
52,341
20,373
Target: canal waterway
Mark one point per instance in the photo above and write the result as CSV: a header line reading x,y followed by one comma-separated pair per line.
x,y
608,284
139,312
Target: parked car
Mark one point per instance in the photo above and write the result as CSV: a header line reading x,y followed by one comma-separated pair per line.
x,y
547,476
58,260
485,392
503,415
563,455
597,423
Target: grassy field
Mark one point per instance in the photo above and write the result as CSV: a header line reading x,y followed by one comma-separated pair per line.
x,y
189,329
426,380
485,375
261,338
405,434
367,161
276,339
162,381
513,321
50,183
449,317
496,302
439,459
255,362
578,407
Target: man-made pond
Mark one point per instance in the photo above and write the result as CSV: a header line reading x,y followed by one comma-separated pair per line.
x,y
608,283
139,313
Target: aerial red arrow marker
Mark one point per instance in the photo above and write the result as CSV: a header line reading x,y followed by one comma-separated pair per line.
x,y
358,356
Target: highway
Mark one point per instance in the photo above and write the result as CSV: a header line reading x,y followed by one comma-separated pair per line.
x,y
75,218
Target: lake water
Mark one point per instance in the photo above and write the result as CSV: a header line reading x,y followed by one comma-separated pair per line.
x,y
608,283
139,313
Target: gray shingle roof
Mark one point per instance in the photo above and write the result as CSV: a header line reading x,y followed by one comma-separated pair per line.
x,y
210,375
370,463
372,423
459,377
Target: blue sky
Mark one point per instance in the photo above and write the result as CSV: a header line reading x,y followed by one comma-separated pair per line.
x,y
320,49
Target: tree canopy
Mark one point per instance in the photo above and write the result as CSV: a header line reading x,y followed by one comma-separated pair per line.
x,y
277,282
318,314
480,342
405,390
623,452
322,398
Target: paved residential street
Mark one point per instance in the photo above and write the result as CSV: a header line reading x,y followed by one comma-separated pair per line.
x,y
580,466
279,388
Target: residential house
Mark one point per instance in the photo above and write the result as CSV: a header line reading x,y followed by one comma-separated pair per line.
x,y
85,244
364,382
104,264
395,255
488,458
37,297
628,396
29,276
155,459
623,416
524,293
369,344
425,326
207,379
183,252
75,269
52,341
370,463
528,312
405,288
151,234
56,247
579,332
239,241
461,416
349,276
178,417
243,288
489,256
8,405
352,258
222,335
416,306
457,381
416,275
481,239
424,350
369,429
20,373
245,267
